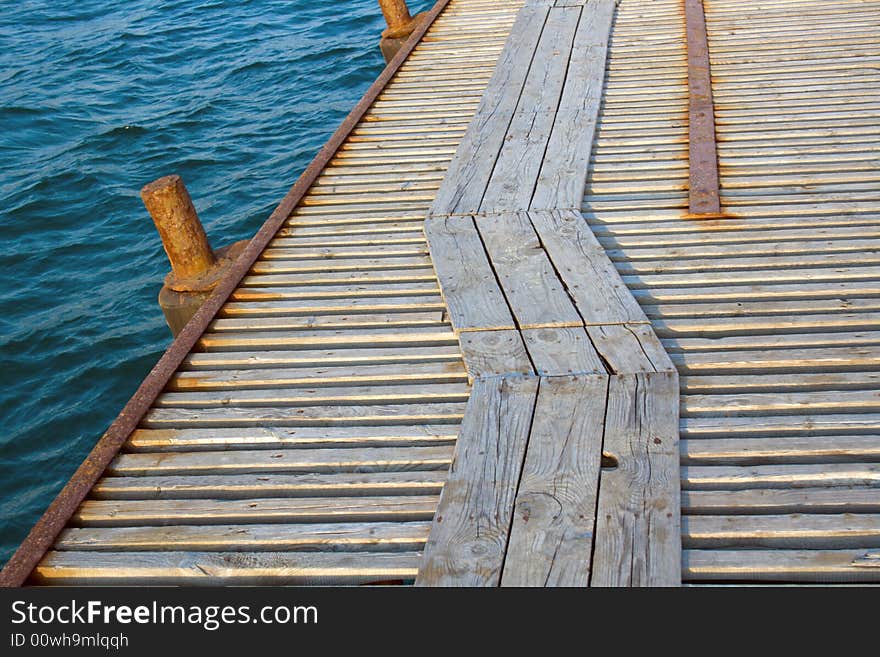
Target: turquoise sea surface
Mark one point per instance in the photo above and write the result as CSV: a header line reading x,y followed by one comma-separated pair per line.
x,y
98,98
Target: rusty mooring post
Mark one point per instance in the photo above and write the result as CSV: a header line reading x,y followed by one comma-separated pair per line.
x,y
195,267
400,25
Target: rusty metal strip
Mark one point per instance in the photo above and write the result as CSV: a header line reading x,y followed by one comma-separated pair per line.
x,y
703,195
46,530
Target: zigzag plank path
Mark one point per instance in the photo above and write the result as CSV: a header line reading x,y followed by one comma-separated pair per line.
x,y
565,472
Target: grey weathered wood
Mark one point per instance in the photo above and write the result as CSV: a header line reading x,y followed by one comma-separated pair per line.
x,y
564,168
314,416
776,565
562,351
139,513
218,568
533,290
762,451
344,537
515,174
808,531
239,461
854,499
638,541
469,535
468,174
282,397
719,477
588,274
319,376
551,538
310,484
494,353
471,292
620,348
194,440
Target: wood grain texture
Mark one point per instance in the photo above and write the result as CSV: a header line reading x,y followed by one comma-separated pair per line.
x,y
551,538
533,290
494,353
566,162
638,540
470,531
471,292
562,351
515,174
219,568
468,174
588,274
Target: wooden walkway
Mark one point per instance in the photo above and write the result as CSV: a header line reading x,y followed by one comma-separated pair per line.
x,y
492,346
769,311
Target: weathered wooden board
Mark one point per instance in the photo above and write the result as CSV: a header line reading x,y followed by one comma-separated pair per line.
x,y
468,174
222,569
469,535
562,351
533,291
248,486
343,537
565,164
588,274
471,292
777,566
551,538
494,353
638,541
515,174
139,513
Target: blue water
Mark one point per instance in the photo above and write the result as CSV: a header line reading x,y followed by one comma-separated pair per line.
x,y
98,98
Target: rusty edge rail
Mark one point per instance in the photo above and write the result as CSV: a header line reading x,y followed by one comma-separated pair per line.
x,y
703,193
56,516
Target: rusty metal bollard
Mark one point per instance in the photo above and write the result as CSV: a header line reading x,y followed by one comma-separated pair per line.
x,y
195,267
400,25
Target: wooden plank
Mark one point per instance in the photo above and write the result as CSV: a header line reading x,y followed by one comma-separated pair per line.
x,y
619,347
764,451
248,486
804,531
343,537
531,286
319,376
321,357
638,541
331,396
776,566
564,168
193,440
471,292
551,537
109,513
314,416
768,403
842,499
562,351
516,169
222,569
469,535
468,174
723,477
366,459
782,425
588,274
494,353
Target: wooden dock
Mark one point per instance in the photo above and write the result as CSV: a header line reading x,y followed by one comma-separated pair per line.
x,y
498,335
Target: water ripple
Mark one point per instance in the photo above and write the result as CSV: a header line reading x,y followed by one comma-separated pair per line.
x,y
97,99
